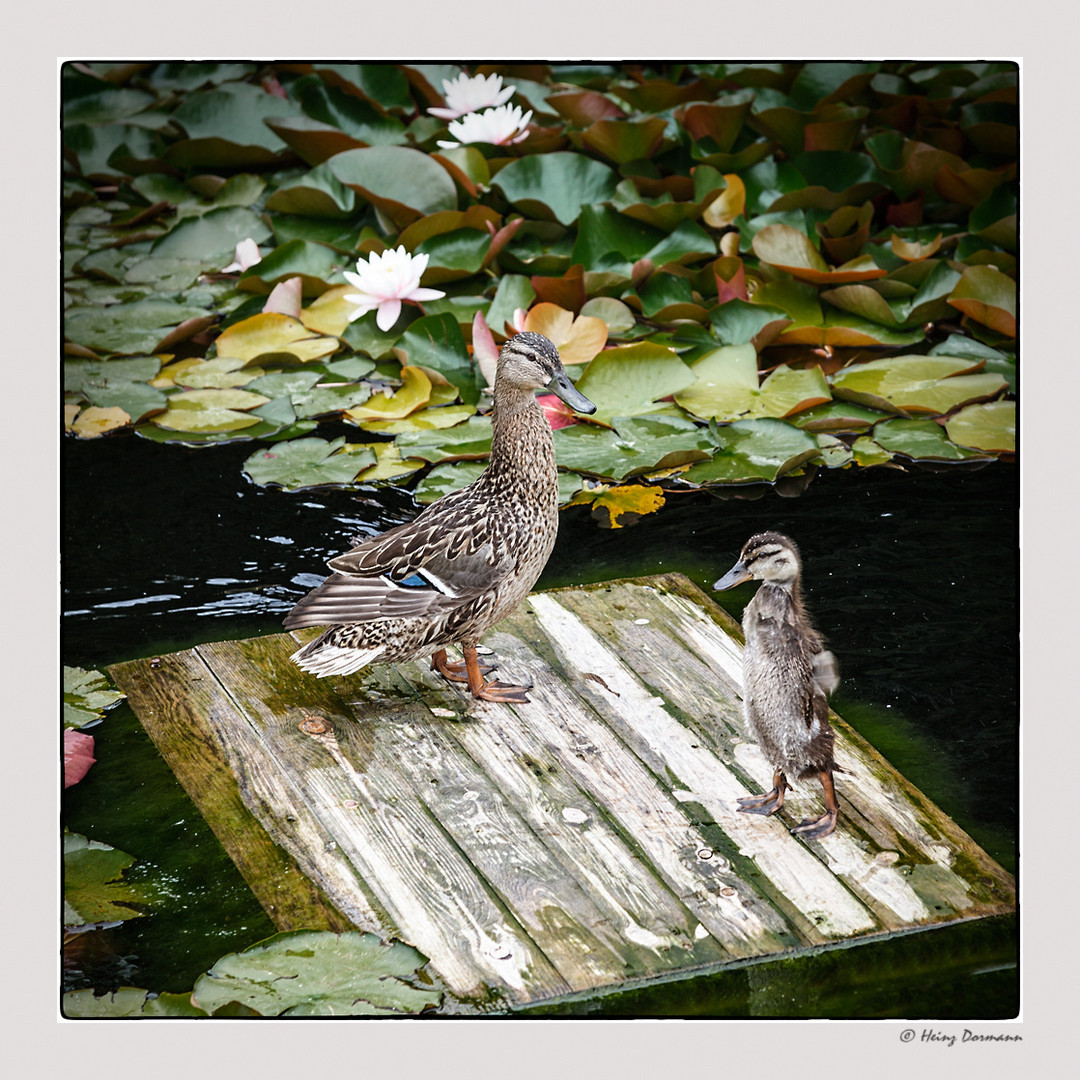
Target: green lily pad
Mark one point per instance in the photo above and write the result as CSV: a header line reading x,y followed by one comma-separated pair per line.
x,y
284,383
224,373
990,427
837,416
906,384
212,235
314,264
344,110
835,453
321,400
137,399
727,387
319,973
921,440
630,380
305,463
446,478
635,446
87,694
555,186
209,411
132,328
867,453
404,184
82,375
319,193
437,418
622,141
129,1002
473,437
94,888
740,321
752,451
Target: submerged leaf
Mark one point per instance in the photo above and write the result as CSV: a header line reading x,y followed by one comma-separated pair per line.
x,y
94,888
319,973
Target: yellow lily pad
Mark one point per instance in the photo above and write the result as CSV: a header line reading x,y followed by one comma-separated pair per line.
x,y
616,507
728,205
424,420
224,373
70,412
94,421
272,332
916,384
329,314
389,464
414,394
990,426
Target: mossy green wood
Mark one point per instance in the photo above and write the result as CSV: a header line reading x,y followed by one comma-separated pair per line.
x,y
583,842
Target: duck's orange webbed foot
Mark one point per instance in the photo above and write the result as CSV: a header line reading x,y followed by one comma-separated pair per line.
x,y
494,690
456,670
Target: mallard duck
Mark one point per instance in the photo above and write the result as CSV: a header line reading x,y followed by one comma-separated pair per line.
x,y
468,560
787,673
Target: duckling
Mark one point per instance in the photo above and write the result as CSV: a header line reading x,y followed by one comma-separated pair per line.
x,y
467,561
787,673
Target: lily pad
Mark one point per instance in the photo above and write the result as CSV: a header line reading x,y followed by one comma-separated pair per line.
x,y
303,463
314,264
791,250
990,427
921,440
93,422
132,328
446,478
989,297
271,333
436,341
322,400
750,451
555,186
414,393
471,438
727,387
577,339
87,694
212,235
631,379
404,184
129,1002
626,504
94,888
319,973
921,384
635,446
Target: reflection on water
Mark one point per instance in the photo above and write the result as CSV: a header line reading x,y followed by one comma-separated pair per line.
x,y
912,577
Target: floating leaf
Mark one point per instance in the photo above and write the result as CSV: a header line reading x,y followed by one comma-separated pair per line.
x,y
128,1002
271,333
577,339
132,328
213,235
922,440
739,321
209,411
445,416
616,507
87,695
389,464
414,393
631,379
556,185
404,184
436,342
303,463
94,421
729,204
791,250
990,427
637,445
753,451
837,416
727,387
312,263
905,384
94,888
319,973
988,296
468,439
446,478
321,400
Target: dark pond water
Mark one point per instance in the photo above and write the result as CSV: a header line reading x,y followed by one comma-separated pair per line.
x,y
913,578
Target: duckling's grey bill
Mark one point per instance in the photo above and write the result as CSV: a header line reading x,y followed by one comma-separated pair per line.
x,y
563,388
735,576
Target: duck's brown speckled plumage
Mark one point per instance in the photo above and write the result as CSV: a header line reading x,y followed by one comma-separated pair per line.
x,y
469,559
787,673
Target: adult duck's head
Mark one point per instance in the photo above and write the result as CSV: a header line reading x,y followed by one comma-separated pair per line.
x,y
529,361
768,556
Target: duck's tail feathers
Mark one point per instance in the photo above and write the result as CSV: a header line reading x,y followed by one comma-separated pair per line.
x,y
322,658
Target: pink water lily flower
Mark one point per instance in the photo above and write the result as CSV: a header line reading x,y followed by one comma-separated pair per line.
x,y
500,127
384,281
246,256
467,94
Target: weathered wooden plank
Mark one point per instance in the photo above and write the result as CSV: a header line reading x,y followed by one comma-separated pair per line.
x,y
896,850
655,931
431,891
190,729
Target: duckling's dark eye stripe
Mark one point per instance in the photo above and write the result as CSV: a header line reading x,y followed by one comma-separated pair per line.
x,y
761,553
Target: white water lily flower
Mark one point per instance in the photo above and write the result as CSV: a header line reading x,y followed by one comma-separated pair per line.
x,y
246,256
384,281
500,127
467,94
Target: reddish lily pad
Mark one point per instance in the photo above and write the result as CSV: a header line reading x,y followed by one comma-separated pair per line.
x,y
987,296
790,250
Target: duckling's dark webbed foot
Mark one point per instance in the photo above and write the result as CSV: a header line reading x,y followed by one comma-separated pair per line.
x,y
816,828
768,803
456,671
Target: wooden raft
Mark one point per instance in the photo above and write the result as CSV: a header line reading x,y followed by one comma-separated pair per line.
x,y
577,843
